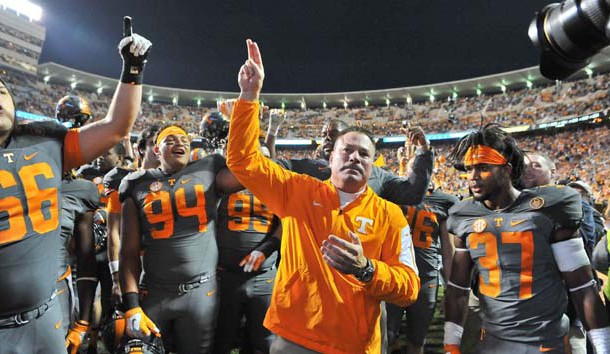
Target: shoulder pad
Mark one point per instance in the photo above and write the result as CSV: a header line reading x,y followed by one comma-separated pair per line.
x,y
112,179
128,182
562,204
50,128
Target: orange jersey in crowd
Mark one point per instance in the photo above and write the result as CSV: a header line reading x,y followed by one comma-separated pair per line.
x,y
313,304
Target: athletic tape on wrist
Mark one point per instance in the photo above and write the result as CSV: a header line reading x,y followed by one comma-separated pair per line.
x,y
600,339
114,266
453,333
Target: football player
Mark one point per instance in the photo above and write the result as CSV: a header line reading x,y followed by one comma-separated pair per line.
x,y
428,222
172,212
525,245
33,158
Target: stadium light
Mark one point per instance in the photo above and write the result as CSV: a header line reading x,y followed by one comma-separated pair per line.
x,y
324,104
479,91
503,88
345,104
100,90
283,105
409,100
303,105
150,98
23,7
432,98
454,95
46,79
175,100
529,84
387,102
366,103
73,85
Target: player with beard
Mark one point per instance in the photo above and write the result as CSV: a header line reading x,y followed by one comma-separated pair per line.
x,y
525,245
33,159
176,210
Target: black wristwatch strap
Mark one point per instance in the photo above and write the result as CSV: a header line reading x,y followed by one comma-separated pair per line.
x,y
366,274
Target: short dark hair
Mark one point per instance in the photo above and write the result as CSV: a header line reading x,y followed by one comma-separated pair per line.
x,y
360,130
493,136
143,138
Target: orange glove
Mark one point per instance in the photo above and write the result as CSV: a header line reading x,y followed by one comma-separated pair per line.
x,y
138,325
452,349
76,335
253,261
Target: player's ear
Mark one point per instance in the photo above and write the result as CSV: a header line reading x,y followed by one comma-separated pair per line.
x,y
509,169
156,150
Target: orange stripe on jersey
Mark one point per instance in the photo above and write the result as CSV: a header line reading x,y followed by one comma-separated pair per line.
x,y
66,274
113,205
73,156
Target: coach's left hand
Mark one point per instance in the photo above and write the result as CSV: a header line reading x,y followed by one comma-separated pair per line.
x,y
251,74
343,255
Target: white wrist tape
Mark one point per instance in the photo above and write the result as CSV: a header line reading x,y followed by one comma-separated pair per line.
x,y
600,339
93,279
591,282
570,254
114,266
450,283
453,333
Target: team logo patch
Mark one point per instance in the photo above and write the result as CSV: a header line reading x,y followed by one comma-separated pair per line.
x,y
536,203
479,225
97,180
155,186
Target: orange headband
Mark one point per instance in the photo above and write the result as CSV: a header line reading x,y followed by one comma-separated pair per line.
x,y
481,154
171,130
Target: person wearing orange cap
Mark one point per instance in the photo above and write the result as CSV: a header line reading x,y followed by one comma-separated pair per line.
x,y
526,248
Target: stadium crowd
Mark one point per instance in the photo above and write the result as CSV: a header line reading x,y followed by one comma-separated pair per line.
x,y
173,219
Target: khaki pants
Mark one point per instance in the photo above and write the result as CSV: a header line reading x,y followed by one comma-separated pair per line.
x,y
283,346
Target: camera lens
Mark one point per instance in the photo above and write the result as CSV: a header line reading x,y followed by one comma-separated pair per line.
x,y
568,35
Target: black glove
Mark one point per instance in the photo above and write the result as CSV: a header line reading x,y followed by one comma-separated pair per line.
x,y
134,50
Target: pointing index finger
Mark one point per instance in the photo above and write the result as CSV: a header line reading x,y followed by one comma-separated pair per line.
x,y
127,29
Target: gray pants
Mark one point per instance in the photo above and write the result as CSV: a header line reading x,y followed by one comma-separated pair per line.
x,y
242,294
43,335
491,344
419,315
283,346
186,321
65,298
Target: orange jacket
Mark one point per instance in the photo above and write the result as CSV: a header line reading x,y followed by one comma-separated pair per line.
x,y
313,304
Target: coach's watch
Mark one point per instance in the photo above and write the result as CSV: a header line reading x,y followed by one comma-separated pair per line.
x,y
365,274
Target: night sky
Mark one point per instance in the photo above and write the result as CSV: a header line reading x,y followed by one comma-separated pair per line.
x,y
307,45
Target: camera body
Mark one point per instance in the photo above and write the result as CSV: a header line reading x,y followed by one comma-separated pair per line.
x,y
569,34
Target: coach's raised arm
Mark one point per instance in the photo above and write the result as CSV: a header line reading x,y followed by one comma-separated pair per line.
x,y
98,137
344,249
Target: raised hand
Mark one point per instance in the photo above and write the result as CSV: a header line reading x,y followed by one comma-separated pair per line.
x,y
134,50
251,74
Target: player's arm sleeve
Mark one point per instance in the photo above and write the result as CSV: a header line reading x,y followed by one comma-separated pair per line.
x,y
410,190
72,154
264,178
396,278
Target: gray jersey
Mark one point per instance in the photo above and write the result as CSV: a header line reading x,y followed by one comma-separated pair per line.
x,y
243,223
523,296
424,220
398,190
79,196
177,217
30,178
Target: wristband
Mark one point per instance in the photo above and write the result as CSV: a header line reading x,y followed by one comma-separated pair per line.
x,y
114,266
453,333
131,300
